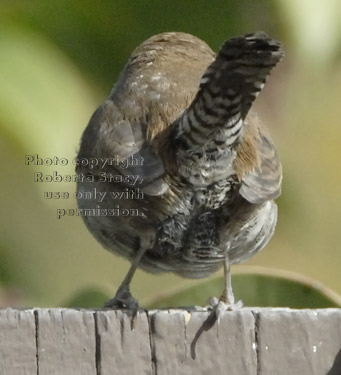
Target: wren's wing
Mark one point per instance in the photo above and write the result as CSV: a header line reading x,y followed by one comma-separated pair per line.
x,y
264,182
108,136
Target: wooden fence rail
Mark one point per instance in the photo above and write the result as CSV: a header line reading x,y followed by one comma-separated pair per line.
x,y
251,341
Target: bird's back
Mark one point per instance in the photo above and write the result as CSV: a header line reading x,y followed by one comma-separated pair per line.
x,y
206,170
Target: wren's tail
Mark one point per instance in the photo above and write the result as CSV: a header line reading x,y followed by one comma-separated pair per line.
x,y
227,90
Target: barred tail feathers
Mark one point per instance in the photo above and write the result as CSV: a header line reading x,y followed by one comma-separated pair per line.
x,y
228,88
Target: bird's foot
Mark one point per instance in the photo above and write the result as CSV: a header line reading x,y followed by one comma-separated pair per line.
x,y
219,305
224,305
123,300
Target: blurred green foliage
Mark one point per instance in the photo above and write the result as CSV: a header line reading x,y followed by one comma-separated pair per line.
x,y
58,62
255,288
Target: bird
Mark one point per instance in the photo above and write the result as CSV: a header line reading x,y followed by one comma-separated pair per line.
x,y
183,171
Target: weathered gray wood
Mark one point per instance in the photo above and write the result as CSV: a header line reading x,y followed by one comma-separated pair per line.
x,y
66,342
193,343
17,342
102,342
304,341
121,348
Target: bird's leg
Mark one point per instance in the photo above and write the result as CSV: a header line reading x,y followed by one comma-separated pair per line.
x,y
226,300
123,297
227,297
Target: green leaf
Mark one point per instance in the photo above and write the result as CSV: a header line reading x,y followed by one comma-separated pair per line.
x,y
91,297
258,288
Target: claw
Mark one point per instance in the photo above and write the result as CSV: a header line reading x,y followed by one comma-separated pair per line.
x,y
226,301
123,299
219,306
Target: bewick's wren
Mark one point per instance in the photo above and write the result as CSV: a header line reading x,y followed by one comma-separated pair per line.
x,y
179,120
